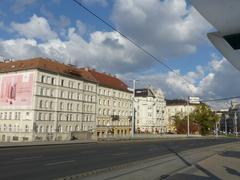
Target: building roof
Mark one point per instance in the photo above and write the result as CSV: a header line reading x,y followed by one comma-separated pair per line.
x,y
46,65
57,67
174,102
144,93
107,80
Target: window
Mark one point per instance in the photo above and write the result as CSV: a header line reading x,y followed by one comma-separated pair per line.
x,y
43,79
50,116
46,104
41,104
76,128
41,91
62,82
51,93
51,105
61,105
10,128
40,116
26,128
52,81
60,117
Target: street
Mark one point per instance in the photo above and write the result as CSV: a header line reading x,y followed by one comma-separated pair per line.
x,y
49,162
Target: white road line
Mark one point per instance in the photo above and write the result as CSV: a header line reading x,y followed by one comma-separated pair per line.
x,y
119,154
59,162
26,158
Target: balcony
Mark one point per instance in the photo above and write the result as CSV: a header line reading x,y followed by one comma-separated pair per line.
x,y
115,117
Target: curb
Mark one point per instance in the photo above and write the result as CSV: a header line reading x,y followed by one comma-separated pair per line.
x,y
52,144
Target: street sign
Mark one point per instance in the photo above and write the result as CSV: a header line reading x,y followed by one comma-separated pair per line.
x,y
194,100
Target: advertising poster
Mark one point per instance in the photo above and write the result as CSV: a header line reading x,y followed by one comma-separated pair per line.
x,y
16,89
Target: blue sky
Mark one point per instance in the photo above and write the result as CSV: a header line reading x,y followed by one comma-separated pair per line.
x,y
172,29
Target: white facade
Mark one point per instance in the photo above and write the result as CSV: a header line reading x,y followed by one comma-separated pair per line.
x,y
149,111
59,105
114,109
172,110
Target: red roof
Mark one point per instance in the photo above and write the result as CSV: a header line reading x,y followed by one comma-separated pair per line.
x,y
109,80
102,79
45,64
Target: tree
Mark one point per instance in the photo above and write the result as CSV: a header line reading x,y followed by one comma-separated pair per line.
x,y
181,124
205,118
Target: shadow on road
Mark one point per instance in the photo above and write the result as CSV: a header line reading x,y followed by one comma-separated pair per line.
x,y
232,171
233,154
183,176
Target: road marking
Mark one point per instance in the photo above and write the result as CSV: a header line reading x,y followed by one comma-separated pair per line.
x,y
119,154
59,162
26,158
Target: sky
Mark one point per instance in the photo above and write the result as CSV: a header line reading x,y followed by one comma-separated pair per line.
x,y
171,30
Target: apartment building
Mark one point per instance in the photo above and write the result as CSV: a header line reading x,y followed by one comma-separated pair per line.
x,y
174,107
149,111
114,105
42,99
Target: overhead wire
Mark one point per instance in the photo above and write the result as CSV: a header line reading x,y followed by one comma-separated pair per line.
x,y
146,51
132,41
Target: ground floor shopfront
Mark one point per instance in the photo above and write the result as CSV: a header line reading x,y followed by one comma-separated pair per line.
x,y
104,131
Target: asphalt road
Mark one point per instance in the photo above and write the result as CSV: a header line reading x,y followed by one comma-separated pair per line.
x,y
49,162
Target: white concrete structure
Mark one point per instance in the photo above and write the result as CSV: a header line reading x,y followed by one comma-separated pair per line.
x,y
150,108
224,15
174,107
44,100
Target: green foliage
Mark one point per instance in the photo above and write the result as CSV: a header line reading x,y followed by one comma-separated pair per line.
x,y
205,118
201,120
181,125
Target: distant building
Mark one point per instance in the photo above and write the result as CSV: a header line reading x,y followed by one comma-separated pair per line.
x,y
230,120
174,107
149,111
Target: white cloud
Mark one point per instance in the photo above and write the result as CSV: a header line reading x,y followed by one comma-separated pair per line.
x,y
81,27
60,22
165,28
37,27
20,5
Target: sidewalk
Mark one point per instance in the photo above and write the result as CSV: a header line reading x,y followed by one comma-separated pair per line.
x,y
214,162
225,165
44,143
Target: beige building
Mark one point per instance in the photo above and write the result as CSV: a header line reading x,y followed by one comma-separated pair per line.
x,y
114,105
174,107
150,108
41,99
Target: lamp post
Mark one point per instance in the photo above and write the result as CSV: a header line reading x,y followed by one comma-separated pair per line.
x,y
188,118
133,108
225,121
235,123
